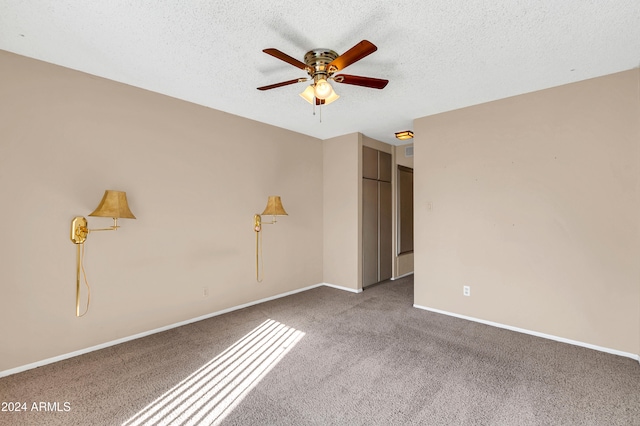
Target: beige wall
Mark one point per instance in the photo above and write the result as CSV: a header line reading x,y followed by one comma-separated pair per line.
x,y
535,205
194,178
342,246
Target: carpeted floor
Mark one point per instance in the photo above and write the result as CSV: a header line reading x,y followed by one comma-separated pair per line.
x,y
329,357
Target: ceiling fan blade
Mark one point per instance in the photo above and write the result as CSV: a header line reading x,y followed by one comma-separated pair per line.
x,y
284,83
356,80
284,57
357,52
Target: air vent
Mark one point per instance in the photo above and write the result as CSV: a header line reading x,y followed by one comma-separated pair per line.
x,y
408,151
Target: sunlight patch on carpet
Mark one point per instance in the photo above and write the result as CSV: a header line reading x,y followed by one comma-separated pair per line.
x,y
210,393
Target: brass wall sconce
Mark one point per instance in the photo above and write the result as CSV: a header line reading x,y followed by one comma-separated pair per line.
x,y
114,205
274,208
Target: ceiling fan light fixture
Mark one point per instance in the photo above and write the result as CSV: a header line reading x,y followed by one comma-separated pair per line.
x,y
323,89
308,94
320,65
404,135
333,97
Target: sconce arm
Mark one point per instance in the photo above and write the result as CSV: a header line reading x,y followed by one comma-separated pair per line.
x,y
273,220
80,230
112,228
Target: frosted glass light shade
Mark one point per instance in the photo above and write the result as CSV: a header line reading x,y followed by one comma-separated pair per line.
x,y
323,89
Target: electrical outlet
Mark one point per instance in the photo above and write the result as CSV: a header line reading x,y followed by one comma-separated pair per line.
x,y
466,290
205,291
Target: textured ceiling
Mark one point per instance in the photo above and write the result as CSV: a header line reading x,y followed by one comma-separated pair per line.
x,y
438,55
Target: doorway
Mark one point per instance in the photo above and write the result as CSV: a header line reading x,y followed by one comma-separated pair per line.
x,y
377,209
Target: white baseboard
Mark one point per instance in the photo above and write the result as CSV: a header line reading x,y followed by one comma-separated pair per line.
x,y
401,276
534,333
150,332
339,287
278,296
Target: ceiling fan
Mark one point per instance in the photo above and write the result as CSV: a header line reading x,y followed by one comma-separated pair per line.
x,y
321,65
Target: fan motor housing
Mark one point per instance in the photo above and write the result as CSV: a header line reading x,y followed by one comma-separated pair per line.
x,y
317,61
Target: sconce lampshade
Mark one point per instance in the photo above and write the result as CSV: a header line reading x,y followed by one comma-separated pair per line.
x,y
114,204
274,207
